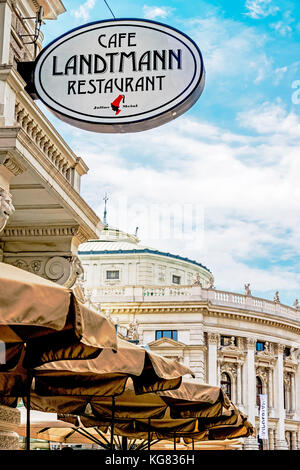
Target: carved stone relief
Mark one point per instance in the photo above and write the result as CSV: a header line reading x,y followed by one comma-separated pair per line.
x,y
63,270
6,207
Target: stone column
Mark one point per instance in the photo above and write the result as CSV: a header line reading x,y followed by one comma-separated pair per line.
x,y
280,443
5,24
294,440
9,419
239,384
250,442
212,339
270,388
271,439
298,440
293,396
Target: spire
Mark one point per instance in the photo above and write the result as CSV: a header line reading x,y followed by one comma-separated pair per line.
x,y
105,199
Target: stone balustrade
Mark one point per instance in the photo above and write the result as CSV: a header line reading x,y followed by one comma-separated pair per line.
x,y
192,293
47,141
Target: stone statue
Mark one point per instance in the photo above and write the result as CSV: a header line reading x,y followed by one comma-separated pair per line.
x,y
276,297
197,282
247,289
132,332
6,207
296,304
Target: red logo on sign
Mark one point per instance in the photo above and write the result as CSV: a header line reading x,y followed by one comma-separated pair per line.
x,y
115,105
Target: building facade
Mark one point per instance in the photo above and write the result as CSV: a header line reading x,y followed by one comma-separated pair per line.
x,y
248,345
43,218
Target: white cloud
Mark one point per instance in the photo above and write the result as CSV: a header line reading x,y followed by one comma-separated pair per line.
x,y
230,49
154,12
260,8
83,11
246,187
281,28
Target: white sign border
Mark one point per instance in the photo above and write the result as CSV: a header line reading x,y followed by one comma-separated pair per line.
x,y
134,125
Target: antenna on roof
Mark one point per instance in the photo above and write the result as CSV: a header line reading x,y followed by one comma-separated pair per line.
x,y
105,199
136,231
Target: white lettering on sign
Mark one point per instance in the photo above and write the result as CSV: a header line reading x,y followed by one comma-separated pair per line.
x,y
120,76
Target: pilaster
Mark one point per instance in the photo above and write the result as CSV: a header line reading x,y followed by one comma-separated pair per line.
x,y
212,342
280,442
251,387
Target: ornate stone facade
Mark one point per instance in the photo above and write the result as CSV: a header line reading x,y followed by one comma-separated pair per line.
x,y
248,345
43,218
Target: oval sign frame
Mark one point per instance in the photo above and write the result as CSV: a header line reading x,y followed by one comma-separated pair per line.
x,y
117,121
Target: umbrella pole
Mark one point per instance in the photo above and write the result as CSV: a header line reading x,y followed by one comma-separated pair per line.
x,y
30,377
149,434
174,440
193,446
112,423
124,443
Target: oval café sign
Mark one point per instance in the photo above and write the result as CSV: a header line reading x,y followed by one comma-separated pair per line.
x,y
120,76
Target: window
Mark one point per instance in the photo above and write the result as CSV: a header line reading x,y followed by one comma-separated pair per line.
x,y
260,346
175,279
259,390
228,340
226,384
172,334
287,352
112,274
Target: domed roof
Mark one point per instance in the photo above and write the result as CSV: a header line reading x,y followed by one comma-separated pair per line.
x,y
114,241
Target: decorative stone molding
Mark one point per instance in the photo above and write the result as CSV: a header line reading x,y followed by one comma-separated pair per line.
x,y
9,419
262,373
251,343
280,348
64,270
230,369
213,338
11,163
46,231
6,207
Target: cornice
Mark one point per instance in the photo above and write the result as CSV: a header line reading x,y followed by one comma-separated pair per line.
x,y
11,163
254,317
205,308
10,75
44,231
17,136
153,308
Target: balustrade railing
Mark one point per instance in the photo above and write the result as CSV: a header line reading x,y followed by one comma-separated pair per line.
x,y
193,293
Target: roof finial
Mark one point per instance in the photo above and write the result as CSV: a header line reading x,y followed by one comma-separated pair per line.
x,y
105,199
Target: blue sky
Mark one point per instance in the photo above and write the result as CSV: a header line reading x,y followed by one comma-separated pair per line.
x,y
227,170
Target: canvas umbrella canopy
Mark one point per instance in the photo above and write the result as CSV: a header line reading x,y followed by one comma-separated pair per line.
x,y
41,321
232,424
65,386
191,398
108,374
47,427
197,400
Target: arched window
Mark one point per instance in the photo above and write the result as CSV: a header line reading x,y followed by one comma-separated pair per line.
x,y
226,384
259,390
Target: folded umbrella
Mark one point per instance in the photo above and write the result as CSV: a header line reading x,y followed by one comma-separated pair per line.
x,y
41,321
107,374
